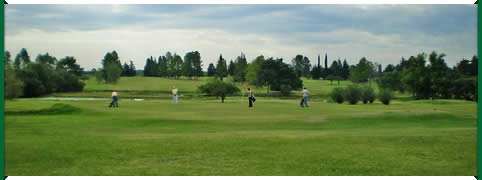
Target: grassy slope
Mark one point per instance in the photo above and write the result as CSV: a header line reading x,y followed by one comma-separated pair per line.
x,y
204,137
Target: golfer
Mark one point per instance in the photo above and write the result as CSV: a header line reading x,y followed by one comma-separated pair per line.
x,y
304,93
115,99
250,98
174,94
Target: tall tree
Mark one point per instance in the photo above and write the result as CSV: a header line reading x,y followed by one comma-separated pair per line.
x,y
177,60
197,64
336,69
13,86
475,65
125,70
438,71
389,68
187,67
46,59
163,66
192,64
326,61
231,68
346,70
240,68
151,69
22,59
221,69
415,78
316,72
211,70
7,59
276,74
70,65
111,67
363,71
132,69
253,68
301,65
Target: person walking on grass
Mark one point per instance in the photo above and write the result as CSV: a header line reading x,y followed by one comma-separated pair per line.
x,y
175,94
115,99
251,98
304,101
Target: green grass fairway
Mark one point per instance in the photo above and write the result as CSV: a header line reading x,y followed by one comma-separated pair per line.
x,y
201,136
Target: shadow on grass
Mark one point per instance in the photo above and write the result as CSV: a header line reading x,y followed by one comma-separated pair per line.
x,y
58,108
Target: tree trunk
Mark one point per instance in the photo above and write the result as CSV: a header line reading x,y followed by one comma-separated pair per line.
x,y
222,99
268,88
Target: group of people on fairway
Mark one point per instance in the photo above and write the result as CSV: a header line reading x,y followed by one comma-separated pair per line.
x,y
251,98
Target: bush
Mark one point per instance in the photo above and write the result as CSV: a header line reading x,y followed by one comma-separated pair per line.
x,y
385,96
368,95
337,95
353,94
219,88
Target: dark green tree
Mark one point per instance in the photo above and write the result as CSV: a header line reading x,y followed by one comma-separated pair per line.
x,y
221,69
275,73
13,86
46,59
70,65
163,66
415,77
21,60
111,67
363,71
389,68
231,67
125,70
211,70
346,70
253,68
301,65
240,68
316,72
132,69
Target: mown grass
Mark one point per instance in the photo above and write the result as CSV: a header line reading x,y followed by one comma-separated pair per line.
x,y
201,136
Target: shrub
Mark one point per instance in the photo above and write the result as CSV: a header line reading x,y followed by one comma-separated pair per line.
x,y
385,96
337,95
353,94
219,88
368,94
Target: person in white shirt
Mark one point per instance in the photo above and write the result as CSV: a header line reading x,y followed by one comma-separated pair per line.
x,y
115,99
174,94
250,97
304,93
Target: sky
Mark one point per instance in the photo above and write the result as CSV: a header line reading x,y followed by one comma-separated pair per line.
x,y
381,33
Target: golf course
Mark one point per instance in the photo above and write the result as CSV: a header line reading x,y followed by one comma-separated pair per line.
x,y
76,133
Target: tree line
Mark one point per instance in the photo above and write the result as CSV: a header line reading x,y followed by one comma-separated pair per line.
x,y
428,76
45,75
173,66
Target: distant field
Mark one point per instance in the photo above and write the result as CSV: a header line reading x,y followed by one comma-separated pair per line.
x,y
155,87
205,137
